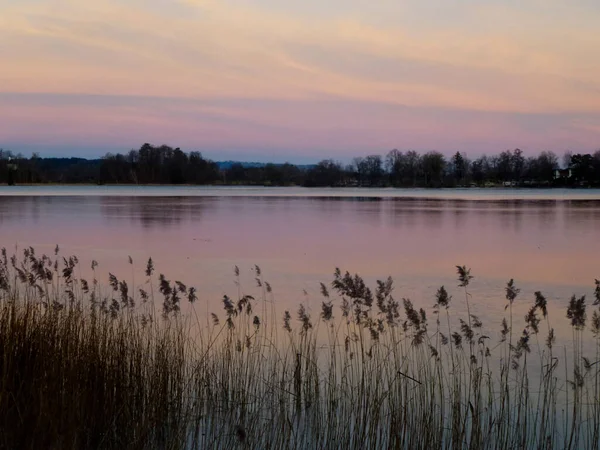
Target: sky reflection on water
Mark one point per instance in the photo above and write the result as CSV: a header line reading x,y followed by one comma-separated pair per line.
x,y
549,245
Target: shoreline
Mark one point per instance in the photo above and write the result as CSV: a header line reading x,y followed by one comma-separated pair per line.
x,y
389,193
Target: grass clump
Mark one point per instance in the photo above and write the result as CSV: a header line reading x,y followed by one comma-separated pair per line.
x,y
82,374
87,365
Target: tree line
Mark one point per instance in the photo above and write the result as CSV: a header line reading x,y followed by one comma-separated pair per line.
x,y
166,165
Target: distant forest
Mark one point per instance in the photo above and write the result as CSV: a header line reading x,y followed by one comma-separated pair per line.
x,y
166,165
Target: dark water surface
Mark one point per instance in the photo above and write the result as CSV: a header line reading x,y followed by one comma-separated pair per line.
x,y
545,240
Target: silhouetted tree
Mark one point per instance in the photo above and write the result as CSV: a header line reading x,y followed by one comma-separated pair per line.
x,y
158,165
394,167
433,164
479,170
166,165
582,167
504,166
373,170
359,170
460,166
547,163
517,165
326,173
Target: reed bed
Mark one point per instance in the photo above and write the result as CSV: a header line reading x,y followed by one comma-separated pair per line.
x,y
85,364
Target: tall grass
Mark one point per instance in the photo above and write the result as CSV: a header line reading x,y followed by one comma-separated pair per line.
x,y
90,365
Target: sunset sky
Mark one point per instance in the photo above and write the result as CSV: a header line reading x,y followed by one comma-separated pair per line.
x,y
299,80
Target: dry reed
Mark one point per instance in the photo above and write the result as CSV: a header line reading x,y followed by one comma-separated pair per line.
x,y
88,365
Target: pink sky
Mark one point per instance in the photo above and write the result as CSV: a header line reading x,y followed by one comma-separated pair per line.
x,y
299,81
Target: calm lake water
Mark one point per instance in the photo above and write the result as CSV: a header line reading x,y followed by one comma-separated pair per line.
x,y
546,240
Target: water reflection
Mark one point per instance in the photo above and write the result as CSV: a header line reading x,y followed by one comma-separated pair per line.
x,y
539,240
154,212
38,209
582,215
545,245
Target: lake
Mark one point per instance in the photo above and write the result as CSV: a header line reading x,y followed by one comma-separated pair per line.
x,y
546,240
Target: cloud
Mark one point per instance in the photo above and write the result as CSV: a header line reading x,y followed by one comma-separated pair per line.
x,y
280,128
300,75
220,47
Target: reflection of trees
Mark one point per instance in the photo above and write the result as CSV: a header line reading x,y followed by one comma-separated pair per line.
x,y
511,214
337,209
409,213
430,212
334,209
32,208
460,209
153,212
145,211
18,208
341,210
547,213
582,214
417,212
